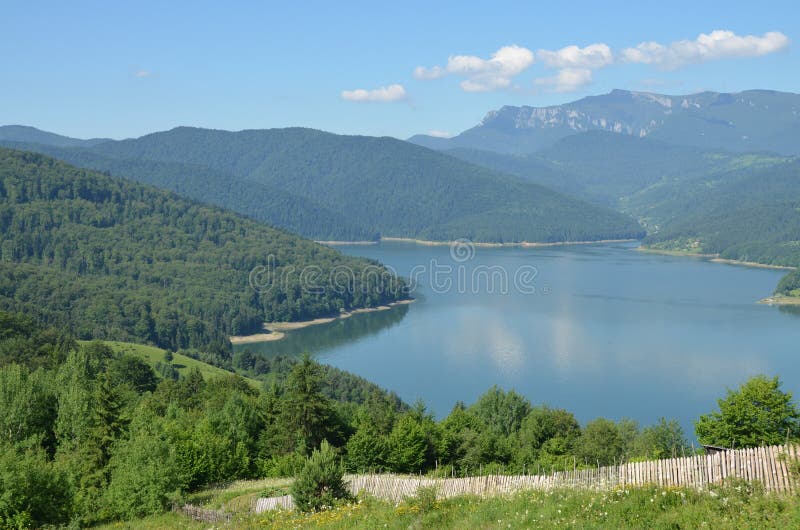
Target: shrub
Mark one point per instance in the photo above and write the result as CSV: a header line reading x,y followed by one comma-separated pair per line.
x,y
33,492
320,483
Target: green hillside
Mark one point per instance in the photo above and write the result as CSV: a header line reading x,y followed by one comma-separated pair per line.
x,y
617,170
108,258
268,204
183,364
24,133
750,214
376,186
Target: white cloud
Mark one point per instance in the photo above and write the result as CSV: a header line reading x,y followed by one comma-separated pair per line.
x,y
383,94
719,44
142,73
592,56
420,72
439,134
483,75
566,80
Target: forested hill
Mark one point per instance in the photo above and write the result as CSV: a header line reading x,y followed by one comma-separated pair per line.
x,y
24,133
109,258
617,170
268,204
750,214
381,186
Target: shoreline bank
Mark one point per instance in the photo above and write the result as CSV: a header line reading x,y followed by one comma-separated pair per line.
x,y
714,258
780,299
278,330
337,243
523,244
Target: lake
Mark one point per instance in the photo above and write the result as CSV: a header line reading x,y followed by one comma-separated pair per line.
x,y
601,330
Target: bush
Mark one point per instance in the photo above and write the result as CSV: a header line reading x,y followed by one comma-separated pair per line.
x,y
320,482
145,478
33,492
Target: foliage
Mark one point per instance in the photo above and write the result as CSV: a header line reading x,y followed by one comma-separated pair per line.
x,y
109,445
600,443
749,214
329,186
107,258
33,490
320,483
143,474
758,413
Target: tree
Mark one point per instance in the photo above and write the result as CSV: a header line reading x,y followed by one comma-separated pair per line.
x,y
367,450
600,443
758,413
502,412
133,371
321,481
307,412
33,491
665,439
408,445
145,475
546,430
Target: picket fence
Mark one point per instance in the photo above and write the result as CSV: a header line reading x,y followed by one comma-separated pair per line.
x,y
771,466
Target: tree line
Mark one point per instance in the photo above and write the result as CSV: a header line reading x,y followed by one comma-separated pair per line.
x,y
90,434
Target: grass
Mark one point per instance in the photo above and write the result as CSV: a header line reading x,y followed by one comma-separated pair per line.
x,y
152,355
238,495
735,505
157,522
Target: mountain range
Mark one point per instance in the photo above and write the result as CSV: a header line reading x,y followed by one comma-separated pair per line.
x,y
326,186
752,120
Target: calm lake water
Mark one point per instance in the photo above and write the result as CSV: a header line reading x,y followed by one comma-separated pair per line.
x,y
598,330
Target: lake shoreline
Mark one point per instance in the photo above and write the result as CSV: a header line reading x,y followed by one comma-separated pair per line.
x,y
780,299
278,330
342,243
714,258
522,244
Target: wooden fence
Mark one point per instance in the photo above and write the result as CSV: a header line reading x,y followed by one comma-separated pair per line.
x,y
203,514
769,465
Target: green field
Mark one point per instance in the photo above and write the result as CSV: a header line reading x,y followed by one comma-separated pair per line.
x,y
736,505
152,355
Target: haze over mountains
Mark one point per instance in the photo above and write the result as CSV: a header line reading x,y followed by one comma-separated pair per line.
x,y
327,186
709,172
753,120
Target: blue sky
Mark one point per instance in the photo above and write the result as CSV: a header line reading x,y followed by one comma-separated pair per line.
x,y
122,69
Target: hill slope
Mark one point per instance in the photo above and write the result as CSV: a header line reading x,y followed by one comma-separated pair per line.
x,y
108,258
750,214
268,204
625,172
24,133
752,120
379,185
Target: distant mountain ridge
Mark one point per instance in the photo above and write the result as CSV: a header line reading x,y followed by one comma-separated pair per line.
x,y
24,133
328,186
752,120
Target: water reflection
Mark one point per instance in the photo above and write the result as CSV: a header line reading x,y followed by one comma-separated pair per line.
x,y
322,337
610,332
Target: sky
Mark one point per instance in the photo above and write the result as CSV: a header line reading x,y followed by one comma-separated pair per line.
x,y
124,69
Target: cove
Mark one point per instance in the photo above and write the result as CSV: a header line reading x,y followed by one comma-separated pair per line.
x,y
604,331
